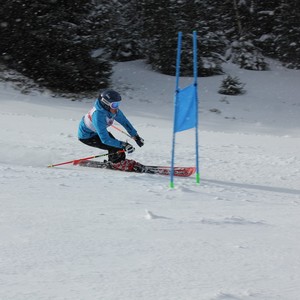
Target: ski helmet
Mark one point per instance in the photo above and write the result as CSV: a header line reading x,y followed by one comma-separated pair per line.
x,y
110,99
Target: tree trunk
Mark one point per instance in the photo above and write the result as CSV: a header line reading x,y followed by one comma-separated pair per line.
x,y
238,19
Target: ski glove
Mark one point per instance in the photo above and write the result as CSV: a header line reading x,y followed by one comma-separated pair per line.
x,y
140,141
127,147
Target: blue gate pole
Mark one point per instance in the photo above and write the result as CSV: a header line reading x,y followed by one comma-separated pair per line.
x,y
175,103
196,97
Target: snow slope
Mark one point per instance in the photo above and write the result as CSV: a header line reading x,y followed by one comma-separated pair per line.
x,y
78,233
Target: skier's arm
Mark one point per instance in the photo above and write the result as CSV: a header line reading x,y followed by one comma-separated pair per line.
x,y
125,123
130,129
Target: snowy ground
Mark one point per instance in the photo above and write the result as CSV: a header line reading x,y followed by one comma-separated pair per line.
x,y
77,233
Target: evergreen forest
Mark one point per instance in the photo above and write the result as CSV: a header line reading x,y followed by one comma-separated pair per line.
x,y
70,46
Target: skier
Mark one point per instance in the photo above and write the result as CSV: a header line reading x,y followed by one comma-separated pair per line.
x,y
93,131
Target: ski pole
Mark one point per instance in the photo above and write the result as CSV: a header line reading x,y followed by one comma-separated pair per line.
x,y
117,128
76,161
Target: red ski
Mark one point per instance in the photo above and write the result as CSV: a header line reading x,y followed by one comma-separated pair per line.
x,y
133,166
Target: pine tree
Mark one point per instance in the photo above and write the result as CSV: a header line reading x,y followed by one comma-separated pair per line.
x,y
115,28
287,33
242,50
231,86
273,27
43,40
162,20
159,35
124,39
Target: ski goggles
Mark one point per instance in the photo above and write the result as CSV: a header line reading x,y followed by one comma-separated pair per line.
x,y
112,105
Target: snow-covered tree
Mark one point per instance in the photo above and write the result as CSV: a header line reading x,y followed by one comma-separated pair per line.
x,y
240,23
43,40
162,20
231,86
287,33
115,27
54,41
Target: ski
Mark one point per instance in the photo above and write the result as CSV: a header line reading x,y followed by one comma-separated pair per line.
x,y
178,171
139,168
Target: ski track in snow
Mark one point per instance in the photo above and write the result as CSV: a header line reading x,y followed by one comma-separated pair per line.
x,y
82,233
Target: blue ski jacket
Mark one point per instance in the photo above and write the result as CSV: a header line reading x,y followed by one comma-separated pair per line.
x,y
96,122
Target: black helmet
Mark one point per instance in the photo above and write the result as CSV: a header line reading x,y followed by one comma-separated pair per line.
x,y
110,99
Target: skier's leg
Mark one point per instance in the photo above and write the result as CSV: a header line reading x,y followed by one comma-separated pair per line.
x,y
97,143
